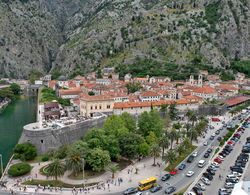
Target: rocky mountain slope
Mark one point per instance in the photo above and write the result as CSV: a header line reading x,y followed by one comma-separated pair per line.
x,y
77,36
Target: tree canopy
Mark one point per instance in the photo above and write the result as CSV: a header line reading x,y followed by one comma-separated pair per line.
x,y
25,151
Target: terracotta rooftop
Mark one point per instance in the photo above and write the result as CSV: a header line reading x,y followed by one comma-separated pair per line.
x,y
227,87
149,94
71,91
236,100
52,83
205,89
120,105
87,97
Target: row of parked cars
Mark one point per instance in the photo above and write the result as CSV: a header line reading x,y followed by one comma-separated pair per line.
x,y
208,175
238,168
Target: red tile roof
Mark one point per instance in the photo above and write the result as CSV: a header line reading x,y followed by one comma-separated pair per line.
x,y
121,105
52,84
205,90
236,100
87,97
227,87
149,94
72,91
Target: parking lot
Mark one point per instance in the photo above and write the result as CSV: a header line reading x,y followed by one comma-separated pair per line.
x,y
219,178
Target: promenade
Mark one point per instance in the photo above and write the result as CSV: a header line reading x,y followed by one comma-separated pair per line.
x,y
126,178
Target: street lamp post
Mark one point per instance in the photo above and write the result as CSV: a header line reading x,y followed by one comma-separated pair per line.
x,y
83,168
1,165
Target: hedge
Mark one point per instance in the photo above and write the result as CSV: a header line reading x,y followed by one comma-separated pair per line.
x,y
19,169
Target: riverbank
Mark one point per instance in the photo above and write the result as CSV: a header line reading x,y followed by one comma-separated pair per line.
x,y
17,114
4,104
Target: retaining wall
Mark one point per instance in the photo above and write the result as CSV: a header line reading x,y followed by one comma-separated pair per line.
x,y
47,139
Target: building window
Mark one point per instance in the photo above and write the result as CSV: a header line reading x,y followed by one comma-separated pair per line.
x,y
100,107
96,107
91,107
108,106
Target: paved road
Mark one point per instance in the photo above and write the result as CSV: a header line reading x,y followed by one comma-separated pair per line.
x,y
224,169
180,181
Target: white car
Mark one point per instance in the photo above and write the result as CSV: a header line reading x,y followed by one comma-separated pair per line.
x,y
189,173
215,164
138,193
229,185
237,174
205,143
195,154
201,186
205,181
221,157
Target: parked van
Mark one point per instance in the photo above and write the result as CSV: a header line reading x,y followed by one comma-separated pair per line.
x,y
201,163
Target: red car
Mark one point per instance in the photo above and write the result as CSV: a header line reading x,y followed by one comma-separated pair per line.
x,y
237,135
173,172
232,143
218,160
215,119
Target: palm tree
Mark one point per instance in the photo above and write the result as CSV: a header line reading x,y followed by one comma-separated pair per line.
x,y
180,149
56,169
164,143
192,134
113,168
74,162
186,143
155,151
191,116
170,156
178,136
173,111
164,109
172,136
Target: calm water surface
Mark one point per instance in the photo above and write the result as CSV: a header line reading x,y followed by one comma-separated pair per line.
x,y
12,120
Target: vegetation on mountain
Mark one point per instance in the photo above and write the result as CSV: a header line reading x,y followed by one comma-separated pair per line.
x,y
10,92
76,37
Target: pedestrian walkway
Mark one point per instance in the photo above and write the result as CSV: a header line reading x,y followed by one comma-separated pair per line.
x,y
128,177
124,179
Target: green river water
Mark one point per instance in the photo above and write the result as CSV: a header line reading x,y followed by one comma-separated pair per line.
x,y
12,120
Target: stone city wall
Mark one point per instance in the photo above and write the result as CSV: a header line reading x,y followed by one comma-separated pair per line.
x,y
47,139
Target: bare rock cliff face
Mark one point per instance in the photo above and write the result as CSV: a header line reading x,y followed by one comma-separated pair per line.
x,y
66,35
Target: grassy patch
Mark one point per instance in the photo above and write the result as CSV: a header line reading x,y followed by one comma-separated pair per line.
x,y
48,95
43,171
54,183
87,175
180,158
245,92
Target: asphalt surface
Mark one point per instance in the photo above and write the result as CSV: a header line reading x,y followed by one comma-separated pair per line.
x,y
224,168
181,181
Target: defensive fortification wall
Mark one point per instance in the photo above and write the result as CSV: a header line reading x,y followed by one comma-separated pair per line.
x,y
46,139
